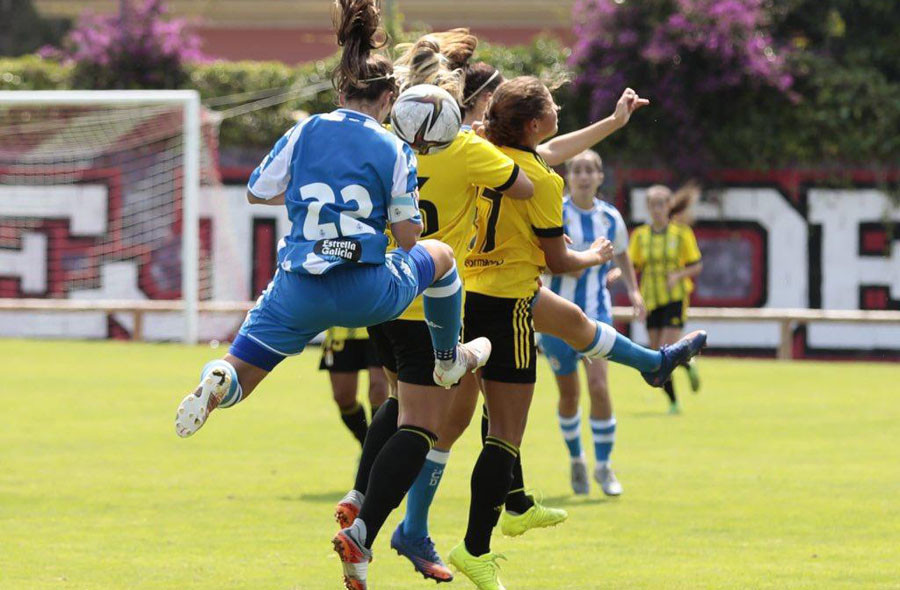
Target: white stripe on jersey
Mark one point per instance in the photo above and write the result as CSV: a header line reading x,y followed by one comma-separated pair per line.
x,y
275,175
592,287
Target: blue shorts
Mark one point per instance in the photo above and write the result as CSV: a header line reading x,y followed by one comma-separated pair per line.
x,y
296,307
563,358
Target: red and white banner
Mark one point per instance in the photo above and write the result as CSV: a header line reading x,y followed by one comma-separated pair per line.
x,y
778,240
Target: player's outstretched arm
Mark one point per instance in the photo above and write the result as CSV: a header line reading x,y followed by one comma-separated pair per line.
x,y
254,200
560,259
562,148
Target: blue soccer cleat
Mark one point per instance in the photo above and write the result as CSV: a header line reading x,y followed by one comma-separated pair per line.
x,y
421,552
674,355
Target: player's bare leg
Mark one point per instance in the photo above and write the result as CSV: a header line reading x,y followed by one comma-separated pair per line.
x,y
570,425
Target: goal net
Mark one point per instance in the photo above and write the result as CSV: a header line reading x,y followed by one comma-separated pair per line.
x,y
99,200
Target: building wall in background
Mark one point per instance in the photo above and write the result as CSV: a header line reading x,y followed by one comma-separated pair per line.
x,y
764,245
300,30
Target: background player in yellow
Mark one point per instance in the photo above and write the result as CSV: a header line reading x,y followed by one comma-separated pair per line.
x,y
667,256
346,352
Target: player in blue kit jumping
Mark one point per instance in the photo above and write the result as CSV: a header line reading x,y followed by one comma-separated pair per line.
x,y
343,179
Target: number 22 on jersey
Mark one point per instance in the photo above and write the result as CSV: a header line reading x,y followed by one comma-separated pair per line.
x,y
317,194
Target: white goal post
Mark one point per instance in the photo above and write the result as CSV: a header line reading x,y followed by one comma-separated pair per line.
x,y
57,138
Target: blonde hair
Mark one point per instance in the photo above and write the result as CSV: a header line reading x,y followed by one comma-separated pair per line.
x,y
589,155
661,190
436,59
682,201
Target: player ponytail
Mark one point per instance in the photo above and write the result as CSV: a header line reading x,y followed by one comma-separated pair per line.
x,y
682,201
425,61
514,104
360,74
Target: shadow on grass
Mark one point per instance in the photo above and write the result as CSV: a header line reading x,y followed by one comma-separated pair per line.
x,y
331,497
572,500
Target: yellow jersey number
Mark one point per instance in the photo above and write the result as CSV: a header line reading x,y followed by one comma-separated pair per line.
x,y
429,212
490,235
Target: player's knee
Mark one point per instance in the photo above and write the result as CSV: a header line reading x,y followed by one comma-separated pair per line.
x,y
441,254
598,387
451,430
344,398
568,396
378,391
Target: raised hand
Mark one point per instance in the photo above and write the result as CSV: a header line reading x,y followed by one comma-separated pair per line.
x,y
628,103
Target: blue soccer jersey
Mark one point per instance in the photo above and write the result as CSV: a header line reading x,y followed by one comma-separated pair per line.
x,y
589,291
344,178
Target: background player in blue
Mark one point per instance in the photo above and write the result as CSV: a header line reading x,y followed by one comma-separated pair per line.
x,y
343,179
587,218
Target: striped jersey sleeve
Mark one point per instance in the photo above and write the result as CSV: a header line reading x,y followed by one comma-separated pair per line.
x,y
404,205
272,176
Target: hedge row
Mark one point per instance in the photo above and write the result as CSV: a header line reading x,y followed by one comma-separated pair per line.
x,y
843,116
258,128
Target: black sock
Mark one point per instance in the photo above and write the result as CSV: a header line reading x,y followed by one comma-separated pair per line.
x,y
669,388
484,424
355,421
516,500
383,427
374,410
491,479
394,471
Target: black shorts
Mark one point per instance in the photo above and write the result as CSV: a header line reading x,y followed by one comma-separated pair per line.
x,y
671,315
384,352
509,325
410,343
348,356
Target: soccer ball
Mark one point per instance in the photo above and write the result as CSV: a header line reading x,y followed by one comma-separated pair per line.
x,y
426,117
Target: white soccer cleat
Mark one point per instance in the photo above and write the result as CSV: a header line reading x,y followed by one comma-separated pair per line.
x,y
607,480
194,409
470,356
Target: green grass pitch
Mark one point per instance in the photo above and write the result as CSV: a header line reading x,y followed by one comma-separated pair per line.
x,y
778,475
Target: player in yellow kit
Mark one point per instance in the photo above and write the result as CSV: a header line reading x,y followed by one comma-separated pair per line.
x,y
346,352
447,197
666,254
515,241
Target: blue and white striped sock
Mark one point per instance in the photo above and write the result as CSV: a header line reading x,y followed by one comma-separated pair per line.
x,y
604,435
611,345
235,393
571,431
443,313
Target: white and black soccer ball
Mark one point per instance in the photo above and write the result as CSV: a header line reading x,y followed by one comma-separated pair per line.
x,y
426,117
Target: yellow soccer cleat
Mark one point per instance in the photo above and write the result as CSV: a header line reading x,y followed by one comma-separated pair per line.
x,y
536,517
483,571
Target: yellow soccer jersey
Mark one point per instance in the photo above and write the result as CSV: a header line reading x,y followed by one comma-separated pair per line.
x,y
507,259
656,254
338,333
448,183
